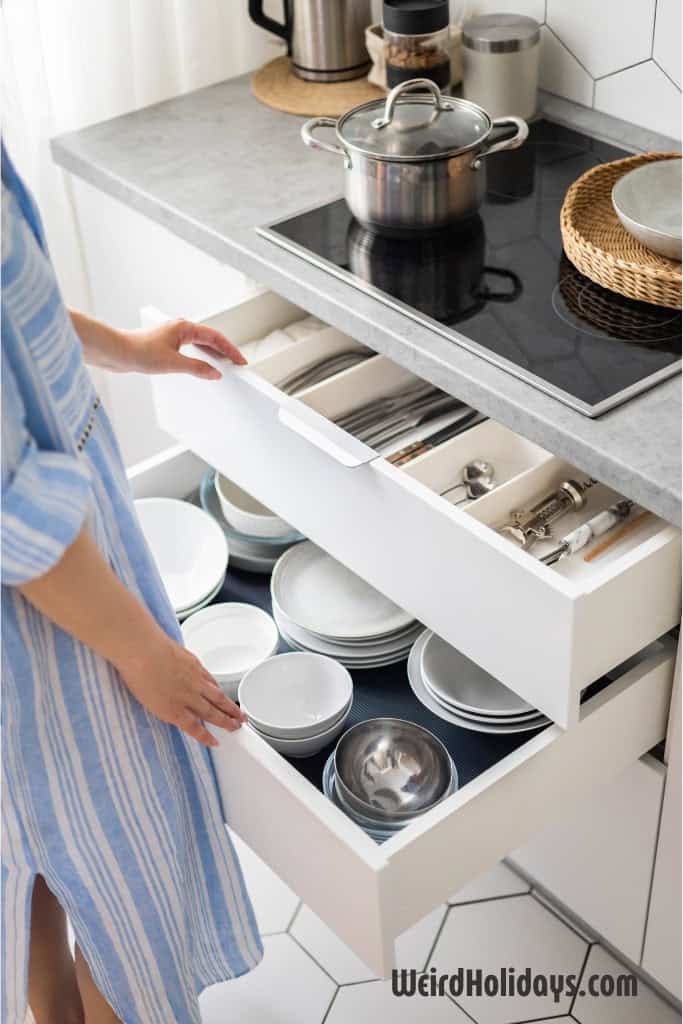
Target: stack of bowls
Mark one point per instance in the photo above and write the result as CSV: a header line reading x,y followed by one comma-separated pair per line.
x,y
230,639
297,702
386,772
189,548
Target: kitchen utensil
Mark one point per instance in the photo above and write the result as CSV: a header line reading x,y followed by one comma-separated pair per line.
x,y
467,419
189,548
409,421
418,687
443,274
326,40
295,695
599,245
531,525
371,412
501,55
584,534
478,472
247,514
390,768
416,41
322,595
307,746
321,370
412,164
616,537
229,639
647,201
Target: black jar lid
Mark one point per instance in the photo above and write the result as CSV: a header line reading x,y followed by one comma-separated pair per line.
x,y
415,17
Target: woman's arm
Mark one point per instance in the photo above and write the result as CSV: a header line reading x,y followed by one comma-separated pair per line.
x,y
83,595
152,351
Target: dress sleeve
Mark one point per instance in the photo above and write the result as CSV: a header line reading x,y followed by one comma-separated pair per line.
x,y
45,494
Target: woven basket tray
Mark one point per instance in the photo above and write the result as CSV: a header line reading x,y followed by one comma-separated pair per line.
x,y
598,245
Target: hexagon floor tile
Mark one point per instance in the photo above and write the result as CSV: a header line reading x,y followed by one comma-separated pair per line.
x,y
374,1003
412,947
274,902
499,881
644,1008
285,988
606,36
512,933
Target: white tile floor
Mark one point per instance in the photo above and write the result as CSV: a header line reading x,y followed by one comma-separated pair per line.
x,y
309,977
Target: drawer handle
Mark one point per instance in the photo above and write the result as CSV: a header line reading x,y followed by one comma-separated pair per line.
x,y
326,436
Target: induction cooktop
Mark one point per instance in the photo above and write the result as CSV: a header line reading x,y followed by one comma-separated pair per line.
x,y
501,286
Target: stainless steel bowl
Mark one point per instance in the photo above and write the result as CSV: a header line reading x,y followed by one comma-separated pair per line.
x,y
388,769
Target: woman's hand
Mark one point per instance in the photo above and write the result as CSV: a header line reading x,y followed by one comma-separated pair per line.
x,y
158,350
174,685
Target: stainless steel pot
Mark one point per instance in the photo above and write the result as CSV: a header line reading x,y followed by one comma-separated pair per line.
x,y
413,164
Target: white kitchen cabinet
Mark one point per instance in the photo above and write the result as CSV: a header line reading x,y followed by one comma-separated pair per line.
x,y
598,858
547,632
369,894
662,952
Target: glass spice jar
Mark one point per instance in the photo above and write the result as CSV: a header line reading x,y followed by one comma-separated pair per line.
x,y
416,41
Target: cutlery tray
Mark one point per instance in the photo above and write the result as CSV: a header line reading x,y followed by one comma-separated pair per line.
x,y
547,632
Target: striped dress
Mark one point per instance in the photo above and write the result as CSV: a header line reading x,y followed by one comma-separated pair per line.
x,y
118,811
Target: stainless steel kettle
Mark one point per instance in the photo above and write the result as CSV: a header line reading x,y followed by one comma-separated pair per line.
x,y
325,38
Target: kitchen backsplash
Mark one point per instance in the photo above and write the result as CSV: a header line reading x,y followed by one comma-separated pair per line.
x,y
622,57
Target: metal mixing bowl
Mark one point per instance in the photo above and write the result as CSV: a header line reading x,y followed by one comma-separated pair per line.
x,y
388,769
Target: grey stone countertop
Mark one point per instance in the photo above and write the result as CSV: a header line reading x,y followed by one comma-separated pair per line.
x,y
212,165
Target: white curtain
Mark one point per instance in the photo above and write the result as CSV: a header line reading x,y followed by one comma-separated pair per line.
x,y
69,63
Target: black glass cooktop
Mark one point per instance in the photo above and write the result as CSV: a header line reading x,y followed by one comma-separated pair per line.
x,y
502,287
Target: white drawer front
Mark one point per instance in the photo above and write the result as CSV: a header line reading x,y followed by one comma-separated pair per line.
x,y
546,634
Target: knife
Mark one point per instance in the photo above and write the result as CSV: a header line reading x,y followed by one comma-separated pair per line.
x,y
468,418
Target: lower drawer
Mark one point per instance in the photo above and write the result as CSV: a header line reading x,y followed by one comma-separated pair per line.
x,y
547,632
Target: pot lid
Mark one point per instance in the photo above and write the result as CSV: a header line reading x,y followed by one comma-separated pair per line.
x,y
409,126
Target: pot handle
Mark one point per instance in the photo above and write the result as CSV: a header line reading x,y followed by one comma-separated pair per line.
x,y
309,138
413,83
513,143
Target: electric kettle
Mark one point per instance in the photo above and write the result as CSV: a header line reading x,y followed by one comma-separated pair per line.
x,y
325,38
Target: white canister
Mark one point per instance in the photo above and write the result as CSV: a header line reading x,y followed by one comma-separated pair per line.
x,y
501,55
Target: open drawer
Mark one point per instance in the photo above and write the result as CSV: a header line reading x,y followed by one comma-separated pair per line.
x,y
544,631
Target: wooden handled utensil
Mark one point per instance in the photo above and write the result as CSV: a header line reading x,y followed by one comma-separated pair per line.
x,y
616,536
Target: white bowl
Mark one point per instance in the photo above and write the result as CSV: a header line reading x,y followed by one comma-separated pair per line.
x,y
245,513
309,745
229,639
297,695
330,725
188,546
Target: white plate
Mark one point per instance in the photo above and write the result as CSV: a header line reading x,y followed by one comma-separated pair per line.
x,y
425,698
465,686
230,638
647,201
188,546
498,723
186,612
321,595
352,652
352,664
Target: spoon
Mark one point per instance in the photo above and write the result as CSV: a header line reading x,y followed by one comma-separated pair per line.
x,y
478,479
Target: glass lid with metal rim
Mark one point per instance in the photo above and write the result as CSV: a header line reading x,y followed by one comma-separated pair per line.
x,y
409,126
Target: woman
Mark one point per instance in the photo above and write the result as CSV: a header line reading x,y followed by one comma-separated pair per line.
x,y
110,808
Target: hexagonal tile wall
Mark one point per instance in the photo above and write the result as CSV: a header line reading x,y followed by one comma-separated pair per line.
x,y
644,95
606,36
667,42
561,73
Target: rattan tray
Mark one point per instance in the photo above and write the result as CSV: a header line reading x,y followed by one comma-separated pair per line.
x,y
598,245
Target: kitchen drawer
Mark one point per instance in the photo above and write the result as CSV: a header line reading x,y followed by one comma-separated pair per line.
x,y
547,632
368,894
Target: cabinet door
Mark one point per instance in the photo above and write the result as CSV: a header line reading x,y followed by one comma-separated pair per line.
x,y
662,953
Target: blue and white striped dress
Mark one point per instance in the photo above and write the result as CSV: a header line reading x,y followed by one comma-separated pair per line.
x,y
118,811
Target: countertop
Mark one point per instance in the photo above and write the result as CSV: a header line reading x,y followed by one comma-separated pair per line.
x,y
212,165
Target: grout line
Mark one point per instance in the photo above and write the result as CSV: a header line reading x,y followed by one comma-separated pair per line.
x,y
540,1020
570,52
294,915
365,981
580,978
492,899
316,962
666,74
652,872
439,930
547,905
654,27
461,1008
611,74
331,1004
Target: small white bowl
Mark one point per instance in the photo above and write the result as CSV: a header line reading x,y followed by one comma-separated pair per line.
x,y
230,639
309,745
188,546
330,725
295,696
246,514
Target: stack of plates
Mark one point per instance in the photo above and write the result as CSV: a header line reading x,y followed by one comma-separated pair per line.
x,y
320,605
457,690
189,548
247,552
